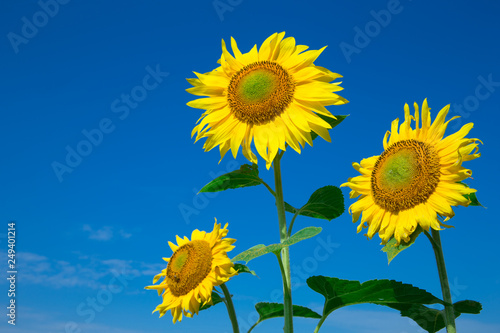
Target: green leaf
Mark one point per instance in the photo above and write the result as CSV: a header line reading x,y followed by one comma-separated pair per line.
x,y
301,235
243,269
251,253
216,299
468,306
393,250
247,175
432,320
276,310
261,249
339,293
325,203
331,121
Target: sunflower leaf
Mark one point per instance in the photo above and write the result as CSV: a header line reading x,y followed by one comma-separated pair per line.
x,y
468,306
331,121
276,310
325,203
432,320
300,235
244,269
261,249
392,249
247,175
216,299
339,293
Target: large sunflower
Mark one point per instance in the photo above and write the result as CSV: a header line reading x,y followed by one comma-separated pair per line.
x,y
415,178
271,95
193,270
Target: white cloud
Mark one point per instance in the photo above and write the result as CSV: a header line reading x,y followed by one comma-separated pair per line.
x,y
35,320
124,234
85,271
105,233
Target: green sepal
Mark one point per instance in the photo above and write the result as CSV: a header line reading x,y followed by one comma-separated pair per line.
x,y
247,175
331,121
276,310
471,196
243,269
325,203
393,250
261,249
216,299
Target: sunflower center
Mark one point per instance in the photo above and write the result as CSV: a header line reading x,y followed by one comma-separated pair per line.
x,y
405,175
256,86
259,92
189,265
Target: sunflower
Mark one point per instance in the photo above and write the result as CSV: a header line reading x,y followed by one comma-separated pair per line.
x,y
272,96
415,179
193,270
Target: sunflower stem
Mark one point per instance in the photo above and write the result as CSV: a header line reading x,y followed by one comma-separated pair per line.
x,y
291,224
287,293
268,187
230,308
285,254
443,278
433,242
321,321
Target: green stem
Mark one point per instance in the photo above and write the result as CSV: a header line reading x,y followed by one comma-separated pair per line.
x,y
319,324
268,187
291,224
253,326
230,308
285,254
287,293
443,278
433,242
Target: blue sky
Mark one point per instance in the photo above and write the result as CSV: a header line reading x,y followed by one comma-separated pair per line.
x,y
103,224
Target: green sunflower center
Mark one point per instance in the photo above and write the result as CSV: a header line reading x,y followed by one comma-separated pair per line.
x,y
259,92
189,266
257,85
405,175
399,169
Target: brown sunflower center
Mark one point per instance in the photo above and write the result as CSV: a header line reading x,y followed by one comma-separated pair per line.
x,y
188,266
259,92
405,175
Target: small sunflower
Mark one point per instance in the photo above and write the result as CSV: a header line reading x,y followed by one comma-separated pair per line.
x,y
193,270
416,178
272,96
